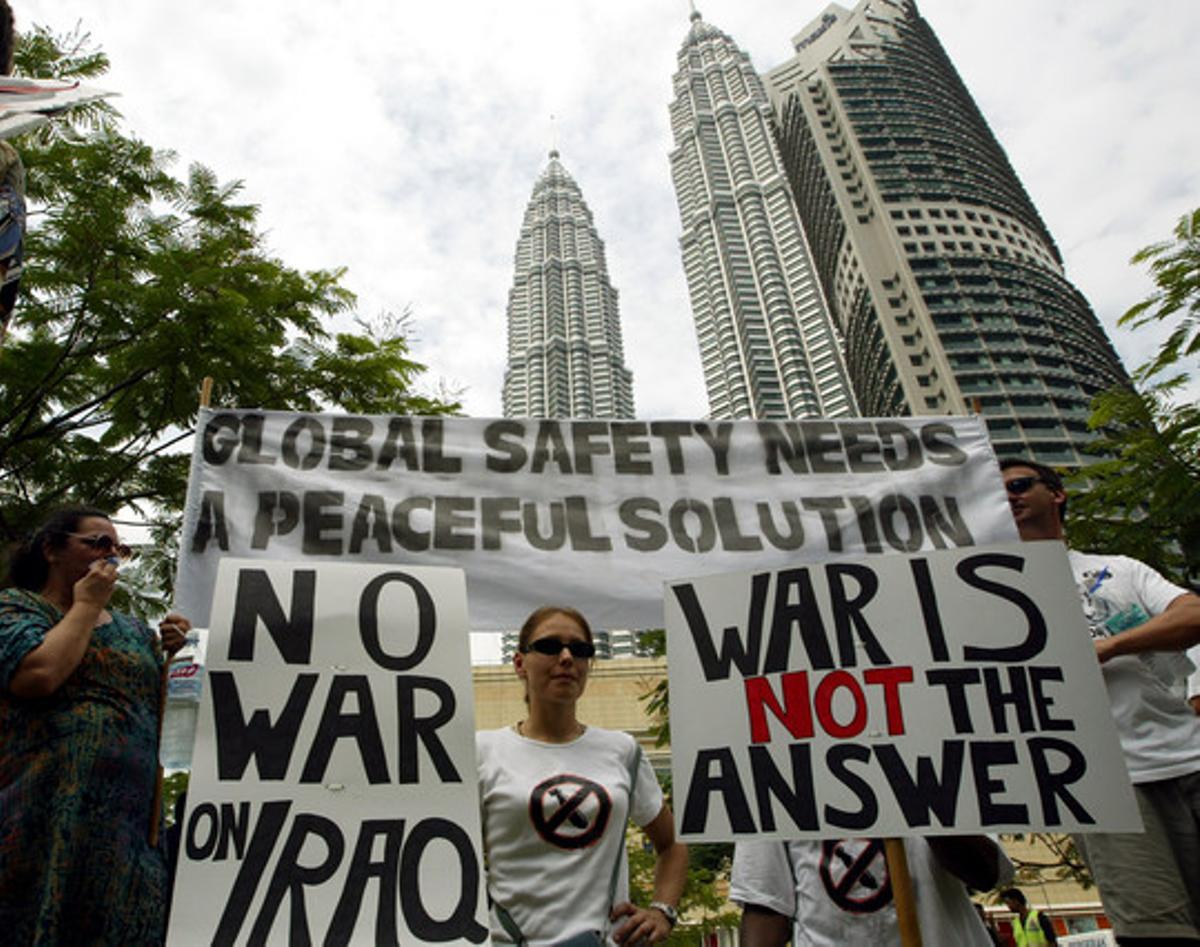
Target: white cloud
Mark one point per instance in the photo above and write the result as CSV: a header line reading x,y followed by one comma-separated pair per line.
x,y
403,140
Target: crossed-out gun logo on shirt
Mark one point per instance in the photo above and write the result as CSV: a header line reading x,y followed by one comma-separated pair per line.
x,y
855,874
568,811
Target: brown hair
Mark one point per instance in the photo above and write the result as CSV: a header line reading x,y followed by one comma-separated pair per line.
x,y
538,616
7,39
547,611
29,568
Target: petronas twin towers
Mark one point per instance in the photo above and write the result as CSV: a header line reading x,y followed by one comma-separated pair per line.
x,y
854,241
564,334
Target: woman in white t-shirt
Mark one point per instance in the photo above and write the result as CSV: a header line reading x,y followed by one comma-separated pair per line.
x,y
556,795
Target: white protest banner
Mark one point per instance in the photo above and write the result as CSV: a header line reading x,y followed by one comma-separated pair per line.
x,y
26,103
594,514
939,693
333,792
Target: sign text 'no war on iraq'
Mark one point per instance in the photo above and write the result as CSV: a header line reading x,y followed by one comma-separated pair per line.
x,y
333,794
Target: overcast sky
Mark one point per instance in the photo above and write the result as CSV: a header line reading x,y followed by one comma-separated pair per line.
x,y
402,140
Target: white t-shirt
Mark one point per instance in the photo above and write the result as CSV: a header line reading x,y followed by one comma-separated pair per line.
x,y
1193,682
1159,732
838,892
554,818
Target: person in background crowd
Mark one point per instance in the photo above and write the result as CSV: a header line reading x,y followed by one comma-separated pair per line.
x,y
556,795
1149,881
79,700
12,193
1029,926
838,892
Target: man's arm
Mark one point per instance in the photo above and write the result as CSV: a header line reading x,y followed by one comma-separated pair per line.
x,y
762,927
972,859
1176,628
1047,927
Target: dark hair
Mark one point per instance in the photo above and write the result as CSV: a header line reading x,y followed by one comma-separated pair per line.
x,y
7,39
1013,894
28,568
1048,475
547,611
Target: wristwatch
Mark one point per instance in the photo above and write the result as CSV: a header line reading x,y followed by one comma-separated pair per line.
x,y
666,911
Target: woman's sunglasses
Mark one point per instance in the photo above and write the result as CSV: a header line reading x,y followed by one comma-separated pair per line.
x,y
1018,485
105,544
553,647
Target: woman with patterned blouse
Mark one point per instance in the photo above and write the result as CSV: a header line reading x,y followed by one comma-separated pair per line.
x,y
79,697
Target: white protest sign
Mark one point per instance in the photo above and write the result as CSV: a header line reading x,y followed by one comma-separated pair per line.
x,y
595,514
937,693
333,793
1104,938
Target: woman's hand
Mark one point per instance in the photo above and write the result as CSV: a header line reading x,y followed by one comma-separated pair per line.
x,y
44,669
96,586
644,925
173,630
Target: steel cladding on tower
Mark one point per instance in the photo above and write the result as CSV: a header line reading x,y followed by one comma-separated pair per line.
x,y
942,277
565,357
768,346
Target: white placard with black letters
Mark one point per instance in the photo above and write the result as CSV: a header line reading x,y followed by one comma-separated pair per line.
x,y
333,792
936,693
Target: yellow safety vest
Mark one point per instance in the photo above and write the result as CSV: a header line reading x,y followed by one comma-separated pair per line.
x,y
1030,932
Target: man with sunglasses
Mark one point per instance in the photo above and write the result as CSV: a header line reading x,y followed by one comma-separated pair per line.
x,y
1141,625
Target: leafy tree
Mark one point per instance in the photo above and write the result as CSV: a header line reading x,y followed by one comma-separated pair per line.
x,y
704,904
704,907
1175,265
139,282
1142,498
1047,857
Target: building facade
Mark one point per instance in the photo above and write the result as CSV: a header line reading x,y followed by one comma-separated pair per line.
x,y
565,358
768,346
941,276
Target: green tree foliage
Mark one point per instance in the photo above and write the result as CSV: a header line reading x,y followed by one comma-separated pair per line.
x,y
1175,266
1143,497
139,282
704,906
1048,858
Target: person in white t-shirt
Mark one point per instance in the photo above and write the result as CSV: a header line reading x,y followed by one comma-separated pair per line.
x,y
1141,625
838,892
556,796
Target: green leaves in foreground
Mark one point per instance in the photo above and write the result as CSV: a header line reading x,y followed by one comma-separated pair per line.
x,y
139,283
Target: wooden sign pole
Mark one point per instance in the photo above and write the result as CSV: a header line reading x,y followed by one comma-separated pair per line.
x,y
206,387
902,893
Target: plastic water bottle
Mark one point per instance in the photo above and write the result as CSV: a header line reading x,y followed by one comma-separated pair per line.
x,y
184,684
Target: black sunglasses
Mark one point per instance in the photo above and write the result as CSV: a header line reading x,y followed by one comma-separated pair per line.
x,y
553,647
1018,485
105,544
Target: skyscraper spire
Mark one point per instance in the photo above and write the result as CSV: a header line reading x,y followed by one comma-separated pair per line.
x,y
767,344
565,357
